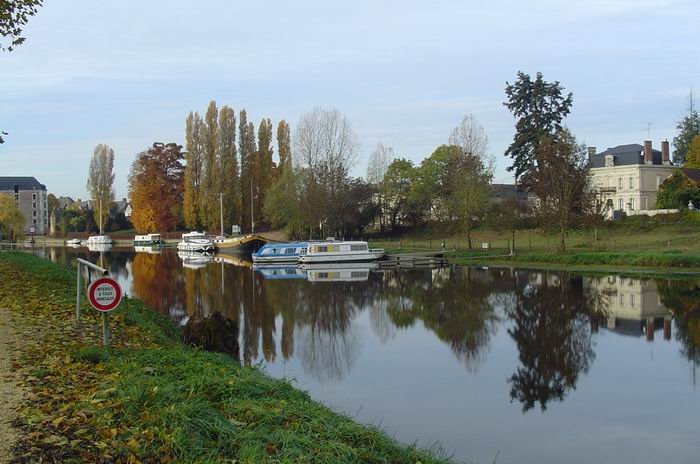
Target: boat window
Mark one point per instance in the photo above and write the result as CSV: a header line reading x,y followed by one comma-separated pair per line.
x,y
322,249
345,248
358,274
361,247
290,251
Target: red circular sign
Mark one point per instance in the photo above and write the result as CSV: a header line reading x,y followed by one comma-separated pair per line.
x,y
104,294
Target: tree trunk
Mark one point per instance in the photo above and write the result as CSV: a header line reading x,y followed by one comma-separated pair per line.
x,y
562,245
512,242
469,237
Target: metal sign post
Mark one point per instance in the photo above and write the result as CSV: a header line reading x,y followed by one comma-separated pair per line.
x,y
104,295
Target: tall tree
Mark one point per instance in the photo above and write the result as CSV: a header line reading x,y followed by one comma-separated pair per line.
x,y
471,137
230,182
264,167
377,167
692,155
14,15
11,218
246,150
193,170
396,190
468,190
688,128
100,182
284,146
156,186
540,107
561,182
211,171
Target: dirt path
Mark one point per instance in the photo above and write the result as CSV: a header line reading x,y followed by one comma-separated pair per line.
x,y
10,393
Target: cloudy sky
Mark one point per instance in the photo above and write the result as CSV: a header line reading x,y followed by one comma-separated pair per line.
x,y
126,73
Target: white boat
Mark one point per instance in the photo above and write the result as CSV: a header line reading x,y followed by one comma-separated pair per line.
x,y
197,242
99,240
280,252
338,272
73,242
332,251
148,240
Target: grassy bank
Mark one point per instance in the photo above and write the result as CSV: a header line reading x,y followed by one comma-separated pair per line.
x,y
668,243
151,399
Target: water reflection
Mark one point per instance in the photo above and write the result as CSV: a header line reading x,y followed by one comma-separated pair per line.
x,y
312,314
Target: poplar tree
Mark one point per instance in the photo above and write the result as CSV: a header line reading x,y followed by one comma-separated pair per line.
x,y
230,181
284,146
193,170
264,167
211,183
100,182
243,151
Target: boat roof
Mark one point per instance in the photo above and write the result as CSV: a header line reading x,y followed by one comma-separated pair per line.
x,y
341,242
284,245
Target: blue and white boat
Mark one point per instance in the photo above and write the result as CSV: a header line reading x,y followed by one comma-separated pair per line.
x,y
280,252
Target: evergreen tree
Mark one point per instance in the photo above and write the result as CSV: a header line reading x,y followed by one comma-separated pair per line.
x,y
193,170
284,146
540,107
688,128
229,167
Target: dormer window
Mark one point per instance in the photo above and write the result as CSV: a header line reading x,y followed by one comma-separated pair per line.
x,y
609,161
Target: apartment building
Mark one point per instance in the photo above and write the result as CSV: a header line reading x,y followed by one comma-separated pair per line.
x,y
31,198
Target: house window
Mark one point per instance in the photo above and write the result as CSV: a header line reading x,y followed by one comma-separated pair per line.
x,y
631,204
34,196
34,205
631,183
609,161
632,300
619,183
620,204
34,214
622,300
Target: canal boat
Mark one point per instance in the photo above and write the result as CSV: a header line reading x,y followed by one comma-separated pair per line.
x,y
99,240
99,247
73,242
338,272
153,250
197,242
148,240
280,252
336,251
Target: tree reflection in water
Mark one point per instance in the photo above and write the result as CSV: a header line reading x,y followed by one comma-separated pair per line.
x,y
549,316
552,322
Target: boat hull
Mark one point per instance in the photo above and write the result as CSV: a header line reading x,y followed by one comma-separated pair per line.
x,y
340,257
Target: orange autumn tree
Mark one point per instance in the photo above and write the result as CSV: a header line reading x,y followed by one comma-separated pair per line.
x,y
156,188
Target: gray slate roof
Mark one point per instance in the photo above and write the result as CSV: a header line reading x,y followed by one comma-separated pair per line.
x,y
625,155
22,183
506,191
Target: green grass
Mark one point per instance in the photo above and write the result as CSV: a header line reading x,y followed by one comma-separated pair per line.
x,y
152,399
661,242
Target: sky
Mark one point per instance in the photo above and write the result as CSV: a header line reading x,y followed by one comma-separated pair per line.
x,y
126,73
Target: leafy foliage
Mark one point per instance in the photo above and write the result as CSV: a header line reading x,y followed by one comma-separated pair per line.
x,y
688,128
11,218
676,191
540,107
156,188
14,15
100,182
692,157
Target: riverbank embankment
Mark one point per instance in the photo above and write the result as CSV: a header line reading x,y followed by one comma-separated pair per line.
x,y
149,398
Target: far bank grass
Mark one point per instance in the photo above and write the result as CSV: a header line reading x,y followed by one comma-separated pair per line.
x,y
151,399
668,243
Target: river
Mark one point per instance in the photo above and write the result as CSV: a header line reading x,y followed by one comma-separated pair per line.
x,y
513,365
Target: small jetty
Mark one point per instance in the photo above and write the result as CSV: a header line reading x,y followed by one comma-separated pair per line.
x,y
414,260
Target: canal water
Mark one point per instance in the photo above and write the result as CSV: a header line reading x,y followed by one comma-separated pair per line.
x,y
490,364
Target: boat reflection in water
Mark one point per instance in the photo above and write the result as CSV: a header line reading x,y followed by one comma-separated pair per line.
x,y
152,249
195,260
338,272
96,247
274,272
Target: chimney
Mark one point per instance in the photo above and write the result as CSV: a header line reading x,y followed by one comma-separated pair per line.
x,y
648,158
664,152
591,152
